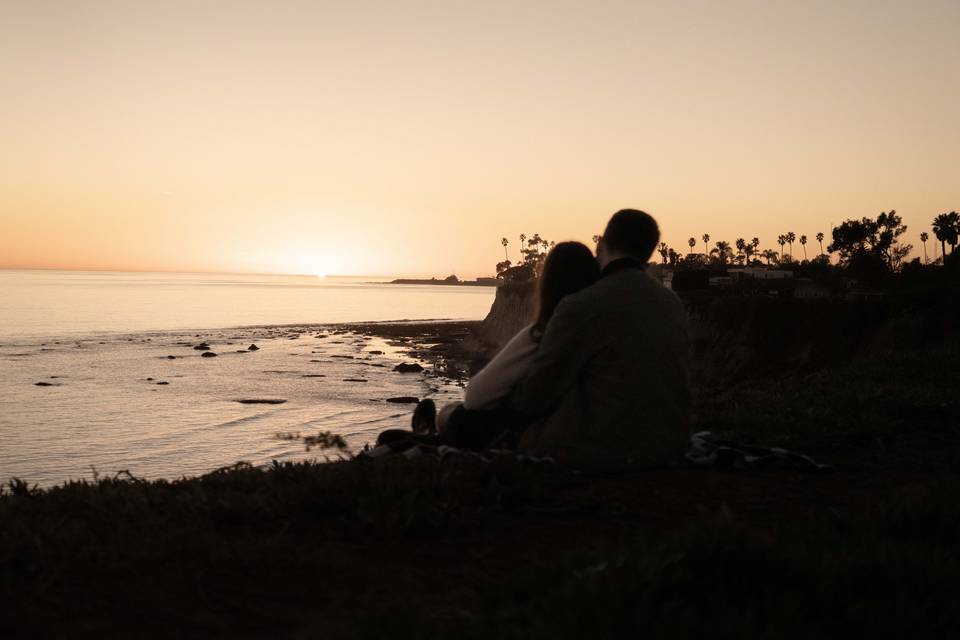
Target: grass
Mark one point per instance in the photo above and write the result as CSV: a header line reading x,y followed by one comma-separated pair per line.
x,y
430,548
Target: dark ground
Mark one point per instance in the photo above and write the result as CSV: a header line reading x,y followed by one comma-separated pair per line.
x,y
428,548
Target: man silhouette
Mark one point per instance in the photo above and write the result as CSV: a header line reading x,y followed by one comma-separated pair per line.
x,y
608,386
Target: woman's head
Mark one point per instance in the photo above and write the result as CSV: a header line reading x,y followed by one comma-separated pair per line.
x,y
569,267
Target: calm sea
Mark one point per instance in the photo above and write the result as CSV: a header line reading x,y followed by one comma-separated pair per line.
x,y
121,387
58,303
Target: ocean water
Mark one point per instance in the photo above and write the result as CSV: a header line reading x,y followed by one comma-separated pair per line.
x,y
63,303
100,345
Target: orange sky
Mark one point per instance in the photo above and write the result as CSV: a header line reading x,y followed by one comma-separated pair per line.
x,y
409,137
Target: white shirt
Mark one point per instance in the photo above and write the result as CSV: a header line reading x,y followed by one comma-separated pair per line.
x,y
494,382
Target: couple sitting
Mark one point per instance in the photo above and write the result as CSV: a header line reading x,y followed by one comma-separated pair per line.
x,y
599,380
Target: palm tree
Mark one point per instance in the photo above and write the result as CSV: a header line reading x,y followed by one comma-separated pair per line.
x,y
692,244
722,251
523,238
664,251
820,240
534,243
747,252
803,243
769,255
706,239
924,236
781,240
505,242
944,231
946,227
741,244
790,237
755,243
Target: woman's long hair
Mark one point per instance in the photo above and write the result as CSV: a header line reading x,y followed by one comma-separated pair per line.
x,y
568,268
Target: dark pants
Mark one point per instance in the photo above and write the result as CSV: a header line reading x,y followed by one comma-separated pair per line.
x,y
470,430
478,430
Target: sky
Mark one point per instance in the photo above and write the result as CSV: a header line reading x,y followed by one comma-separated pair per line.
x,y
408,138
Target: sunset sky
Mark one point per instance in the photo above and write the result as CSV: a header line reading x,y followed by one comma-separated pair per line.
x,y
407,138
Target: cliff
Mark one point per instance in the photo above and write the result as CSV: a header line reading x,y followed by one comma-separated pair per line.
x,y
511,311
736,337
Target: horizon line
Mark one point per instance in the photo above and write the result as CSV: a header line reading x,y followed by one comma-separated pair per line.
x,y
230,273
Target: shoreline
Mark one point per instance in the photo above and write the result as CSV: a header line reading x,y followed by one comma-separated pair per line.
x,y
157,391
70,336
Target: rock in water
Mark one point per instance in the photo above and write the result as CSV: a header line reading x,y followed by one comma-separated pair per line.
x,y
208,354
376,353
404,400
261,401
354,380
253,347
406,367
203,346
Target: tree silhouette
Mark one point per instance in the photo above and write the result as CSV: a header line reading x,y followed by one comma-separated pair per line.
x,y
769,255
664,251
858,240
747,252
692,244
533,243
946,227
803,243
741,244
706,239
755,243
781,240
723,251
523,239
596,240
924,236
790,237
820,240
505,242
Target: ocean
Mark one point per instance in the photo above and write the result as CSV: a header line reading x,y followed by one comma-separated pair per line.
x,y
100,375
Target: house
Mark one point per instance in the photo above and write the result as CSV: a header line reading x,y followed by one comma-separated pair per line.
x,y
760,273
810,290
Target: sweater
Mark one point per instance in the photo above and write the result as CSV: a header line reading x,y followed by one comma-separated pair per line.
x,y
490,387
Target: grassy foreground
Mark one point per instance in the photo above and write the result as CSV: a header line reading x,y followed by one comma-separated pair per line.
x,y
427,548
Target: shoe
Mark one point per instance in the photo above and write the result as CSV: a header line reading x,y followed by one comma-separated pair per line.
x,y
424,420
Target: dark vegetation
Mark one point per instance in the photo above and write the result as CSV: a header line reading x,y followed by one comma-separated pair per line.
x,y
429,548
868,244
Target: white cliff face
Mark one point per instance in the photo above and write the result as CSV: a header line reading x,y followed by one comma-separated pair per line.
x,y
512,310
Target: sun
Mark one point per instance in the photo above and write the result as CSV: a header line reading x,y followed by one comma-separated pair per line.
x,y
320,274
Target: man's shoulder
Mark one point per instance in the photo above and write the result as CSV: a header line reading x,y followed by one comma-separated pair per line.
x,y
630,282
618,289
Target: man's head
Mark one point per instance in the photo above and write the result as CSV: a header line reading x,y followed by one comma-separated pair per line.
x,y
629,234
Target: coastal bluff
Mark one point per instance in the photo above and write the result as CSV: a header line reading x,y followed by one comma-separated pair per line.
x,y
759,336
512,310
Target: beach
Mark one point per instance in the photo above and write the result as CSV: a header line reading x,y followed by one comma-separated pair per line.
x,y
162,405
100,372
